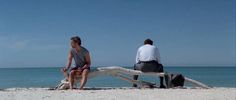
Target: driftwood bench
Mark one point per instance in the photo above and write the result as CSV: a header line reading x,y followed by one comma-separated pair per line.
x,y
120,72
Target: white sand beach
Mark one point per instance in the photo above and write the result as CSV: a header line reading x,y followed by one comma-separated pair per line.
x,y
118,94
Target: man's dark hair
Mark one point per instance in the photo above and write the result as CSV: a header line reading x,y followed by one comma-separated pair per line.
x,y
76,39
148,41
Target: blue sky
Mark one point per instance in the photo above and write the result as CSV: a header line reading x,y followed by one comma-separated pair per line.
x,y
36,33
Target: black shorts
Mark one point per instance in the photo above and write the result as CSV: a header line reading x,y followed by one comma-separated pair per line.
x,y
149,66
76,68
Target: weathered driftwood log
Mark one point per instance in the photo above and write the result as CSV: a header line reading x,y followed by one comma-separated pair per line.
x,y
119,72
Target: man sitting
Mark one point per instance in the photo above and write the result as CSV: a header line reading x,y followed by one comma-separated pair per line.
x,y
148,60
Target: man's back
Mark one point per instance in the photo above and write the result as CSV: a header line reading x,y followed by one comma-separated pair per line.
x,y
148,53
148,60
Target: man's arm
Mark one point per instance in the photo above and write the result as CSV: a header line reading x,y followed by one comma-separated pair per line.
x,y
137,57
69,61
88,61
158,56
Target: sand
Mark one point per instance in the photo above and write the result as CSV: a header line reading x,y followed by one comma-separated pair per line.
x,y
118,94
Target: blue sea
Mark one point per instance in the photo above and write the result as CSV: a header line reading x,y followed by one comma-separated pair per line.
x,y
50,77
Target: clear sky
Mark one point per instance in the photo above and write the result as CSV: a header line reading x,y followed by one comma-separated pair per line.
x,y
36,33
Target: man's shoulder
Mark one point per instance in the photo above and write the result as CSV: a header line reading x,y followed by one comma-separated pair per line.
x,y
84,49
141,47
147,46
71,49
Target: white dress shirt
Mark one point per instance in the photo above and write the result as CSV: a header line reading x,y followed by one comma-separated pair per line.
x,y
148,53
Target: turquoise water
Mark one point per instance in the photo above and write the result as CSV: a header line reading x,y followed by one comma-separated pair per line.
x,y
50,77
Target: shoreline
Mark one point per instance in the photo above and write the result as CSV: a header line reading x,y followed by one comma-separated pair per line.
x,y
122,93
107,88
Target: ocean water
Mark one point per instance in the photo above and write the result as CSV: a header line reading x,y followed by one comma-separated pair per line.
x,y
50,77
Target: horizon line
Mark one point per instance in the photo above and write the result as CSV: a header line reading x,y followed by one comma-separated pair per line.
x,y
132,66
